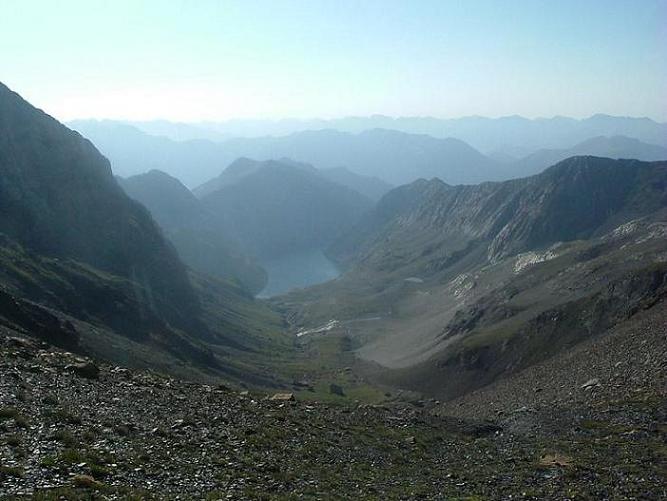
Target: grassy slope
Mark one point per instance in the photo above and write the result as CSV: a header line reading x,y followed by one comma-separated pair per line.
x,y
237,343
245,342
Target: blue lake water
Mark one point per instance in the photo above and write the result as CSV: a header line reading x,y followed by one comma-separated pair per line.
x,y
297,271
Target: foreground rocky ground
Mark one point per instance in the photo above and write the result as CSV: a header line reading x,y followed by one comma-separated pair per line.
x,y
69,432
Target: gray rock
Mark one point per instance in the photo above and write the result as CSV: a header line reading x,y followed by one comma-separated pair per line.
x,y
591,383
336,390
85,369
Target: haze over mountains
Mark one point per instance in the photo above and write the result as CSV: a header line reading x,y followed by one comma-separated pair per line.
x,y
602,146
393,156
257,220
485,134
200,241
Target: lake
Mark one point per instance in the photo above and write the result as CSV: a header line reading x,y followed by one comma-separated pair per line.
x,y
297,271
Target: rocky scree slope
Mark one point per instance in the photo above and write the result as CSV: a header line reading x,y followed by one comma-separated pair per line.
x,y
71,428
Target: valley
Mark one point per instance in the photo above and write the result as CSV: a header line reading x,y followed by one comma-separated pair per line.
x,y
377,313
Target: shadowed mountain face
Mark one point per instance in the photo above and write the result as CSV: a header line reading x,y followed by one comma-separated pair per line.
x,y
465,284
85,267
58,198
192,229
276,208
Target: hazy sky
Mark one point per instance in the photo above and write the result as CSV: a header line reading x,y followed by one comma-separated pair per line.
x,y
214,60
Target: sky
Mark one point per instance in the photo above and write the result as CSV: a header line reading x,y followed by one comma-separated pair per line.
x,y
216,60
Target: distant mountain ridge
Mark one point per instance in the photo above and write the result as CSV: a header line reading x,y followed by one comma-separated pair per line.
x,y
601,146
277,207
392,156
395,157
573,199
370,187
483,133
133,152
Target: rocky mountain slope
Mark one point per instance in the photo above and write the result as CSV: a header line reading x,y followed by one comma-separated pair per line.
x,y
200,243
71,428
451,288
277,207
427,223
59,199
84,266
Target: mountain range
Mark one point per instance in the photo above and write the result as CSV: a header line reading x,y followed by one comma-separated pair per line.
x,y
449,288
510,133
393,157
275,208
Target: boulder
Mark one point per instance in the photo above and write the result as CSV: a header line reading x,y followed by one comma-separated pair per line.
x,y
591,383
283,396
85,369
336,390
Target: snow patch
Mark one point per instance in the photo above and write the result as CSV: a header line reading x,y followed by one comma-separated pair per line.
x,y
331,324
414,280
